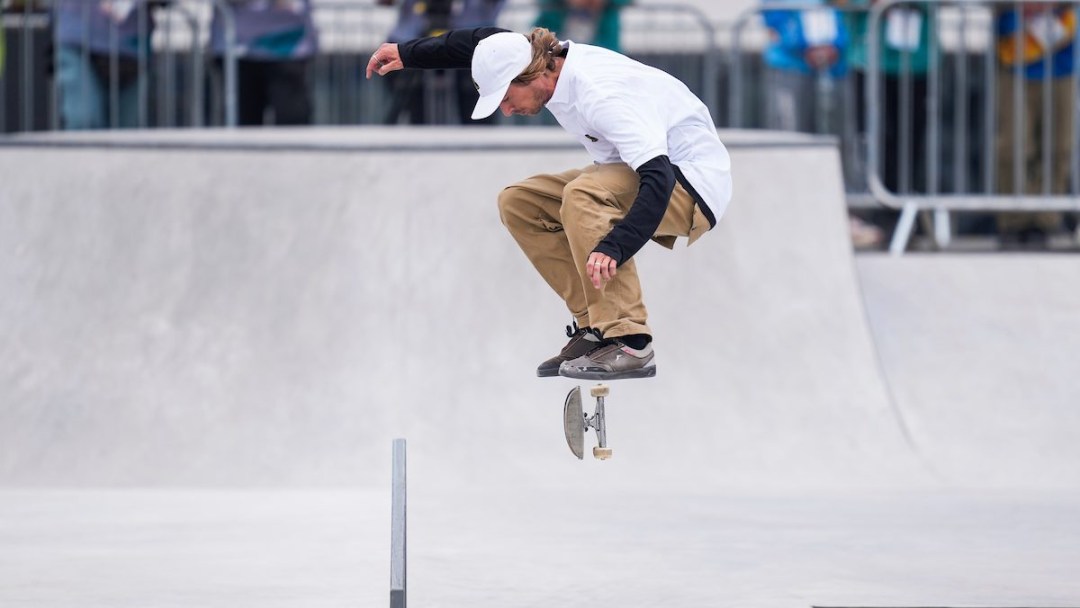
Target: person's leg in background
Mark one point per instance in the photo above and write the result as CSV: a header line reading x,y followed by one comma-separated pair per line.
x,y
790,101
868,227
128,98
1064,111
1021,229
288,92
82,97
251,98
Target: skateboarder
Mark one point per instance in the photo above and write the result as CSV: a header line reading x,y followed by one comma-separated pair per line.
x,y
659,172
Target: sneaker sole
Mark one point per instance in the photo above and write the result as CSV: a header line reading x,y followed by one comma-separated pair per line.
x,y
644,372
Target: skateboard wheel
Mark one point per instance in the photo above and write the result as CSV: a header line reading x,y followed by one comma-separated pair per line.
x,y
600,390
601,453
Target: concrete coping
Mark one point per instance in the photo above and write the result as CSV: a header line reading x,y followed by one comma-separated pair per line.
x,y
367,139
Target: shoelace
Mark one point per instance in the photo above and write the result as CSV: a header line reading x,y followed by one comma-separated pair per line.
x,y
573,330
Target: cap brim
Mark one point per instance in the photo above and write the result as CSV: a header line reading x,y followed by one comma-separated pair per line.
x,y
487,104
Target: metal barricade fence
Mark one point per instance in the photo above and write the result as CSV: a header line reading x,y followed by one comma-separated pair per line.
x,y
23,88
349,32
930,140
161,83
1025,150
835,97
679,39
178,82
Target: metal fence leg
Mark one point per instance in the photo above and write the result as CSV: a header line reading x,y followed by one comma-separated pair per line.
x,y
397,528
942,228
904,227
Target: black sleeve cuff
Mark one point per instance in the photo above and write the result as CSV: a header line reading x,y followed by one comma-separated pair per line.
x,y
654,192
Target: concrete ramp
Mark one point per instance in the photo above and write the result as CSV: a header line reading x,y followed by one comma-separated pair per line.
x,y
271,308
981,353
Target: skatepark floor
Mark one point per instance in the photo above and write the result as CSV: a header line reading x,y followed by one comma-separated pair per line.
x,y
320,548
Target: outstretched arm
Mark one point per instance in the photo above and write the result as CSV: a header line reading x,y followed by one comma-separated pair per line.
x,y
451,50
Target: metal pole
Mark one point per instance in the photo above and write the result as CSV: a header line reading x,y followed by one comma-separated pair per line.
x,y
397,528
1048,121
1019,126
907,166
735,92
228,22
1074,154
942,220
114,75
872,95
27,70
960,126
990,122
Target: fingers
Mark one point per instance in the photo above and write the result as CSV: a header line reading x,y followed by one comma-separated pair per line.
x,y
384,60
600,268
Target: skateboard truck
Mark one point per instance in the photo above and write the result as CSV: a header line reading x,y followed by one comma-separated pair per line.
x,y
576,422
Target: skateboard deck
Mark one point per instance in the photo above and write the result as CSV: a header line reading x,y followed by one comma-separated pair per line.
x,y
576,422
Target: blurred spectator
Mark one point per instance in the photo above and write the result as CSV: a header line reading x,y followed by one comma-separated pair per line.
x,y
97,60
803,60
1045,51
903,65
419,18
904,60
594,22
276,42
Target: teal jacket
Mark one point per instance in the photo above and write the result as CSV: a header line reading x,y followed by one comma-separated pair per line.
x,y
891,58
553,16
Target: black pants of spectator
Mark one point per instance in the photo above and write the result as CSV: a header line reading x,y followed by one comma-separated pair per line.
x,y
891,139
892,136
407,88
278,86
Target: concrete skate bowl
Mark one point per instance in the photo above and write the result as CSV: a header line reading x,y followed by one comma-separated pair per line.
x,y
981,353
272,308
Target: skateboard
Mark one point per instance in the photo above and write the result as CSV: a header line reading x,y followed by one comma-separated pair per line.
x,y
576,422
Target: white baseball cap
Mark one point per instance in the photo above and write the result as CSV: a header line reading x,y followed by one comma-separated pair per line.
x,y
498,60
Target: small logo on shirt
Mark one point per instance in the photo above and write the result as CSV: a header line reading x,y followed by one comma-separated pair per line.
x,y
591,138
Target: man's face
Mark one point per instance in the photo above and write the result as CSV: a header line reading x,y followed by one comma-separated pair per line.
x,y
525,99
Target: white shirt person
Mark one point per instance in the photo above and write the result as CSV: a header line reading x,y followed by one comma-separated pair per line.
x,y
660,171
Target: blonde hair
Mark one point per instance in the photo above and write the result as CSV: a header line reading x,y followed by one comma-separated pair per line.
x,y
545,48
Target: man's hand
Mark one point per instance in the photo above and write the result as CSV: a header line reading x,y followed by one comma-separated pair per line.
x,y
600,268
384,60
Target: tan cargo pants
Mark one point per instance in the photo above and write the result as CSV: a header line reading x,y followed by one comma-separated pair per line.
x,y
558,219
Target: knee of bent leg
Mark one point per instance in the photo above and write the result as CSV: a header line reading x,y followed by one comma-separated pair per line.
x,y
510,205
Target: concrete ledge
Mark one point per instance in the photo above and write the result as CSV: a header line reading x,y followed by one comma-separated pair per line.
x,y
368,139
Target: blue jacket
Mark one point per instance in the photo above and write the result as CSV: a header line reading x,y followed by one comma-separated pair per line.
x,y
785,52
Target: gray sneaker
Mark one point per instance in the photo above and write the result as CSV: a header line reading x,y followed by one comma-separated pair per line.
x,y
582,341
613,361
